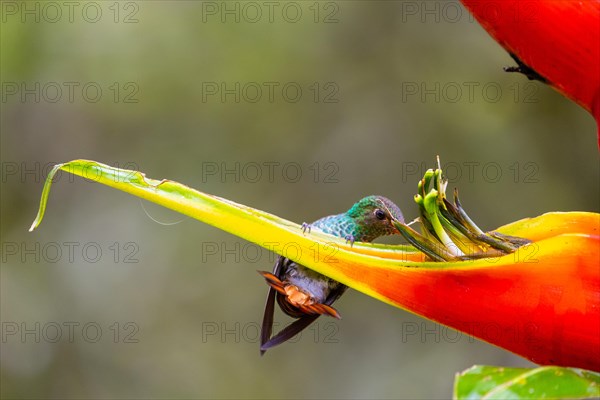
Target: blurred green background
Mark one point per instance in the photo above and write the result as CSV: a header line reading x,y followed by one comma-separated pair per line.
x,y
117,298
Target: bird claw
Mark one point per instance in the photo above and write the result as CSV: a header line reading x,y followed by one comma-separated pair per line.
x,y
305,226
349,238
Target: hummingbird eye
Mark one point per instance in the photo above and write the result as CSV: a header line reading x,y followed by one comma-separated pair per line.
x,y
379,214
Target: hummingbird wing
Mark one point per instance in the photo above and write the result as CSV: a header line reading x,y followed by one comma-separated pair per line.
x,y
267,324
289,331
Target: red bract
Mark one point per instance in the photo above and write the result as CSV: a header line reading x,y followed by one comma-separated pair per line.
x,y
541,302
559,39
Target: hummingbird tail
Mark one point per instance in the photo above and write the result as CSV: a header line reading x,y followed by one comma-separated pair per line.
x,y
289,332
288,291
323,309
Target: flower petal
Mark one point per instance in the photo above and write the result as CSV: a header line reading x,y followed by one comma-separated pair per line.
x,y
560,40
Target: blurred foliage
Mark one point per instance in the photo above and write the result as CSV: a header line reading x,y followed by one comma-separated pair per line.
x,y
482,381
373,137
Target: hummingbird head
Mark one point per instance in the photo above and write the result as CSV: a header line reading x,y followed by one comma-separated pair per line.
x,y
373,216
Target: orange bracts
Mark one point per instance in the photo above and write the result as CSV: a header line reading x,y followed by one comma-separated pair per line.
x,y
541,301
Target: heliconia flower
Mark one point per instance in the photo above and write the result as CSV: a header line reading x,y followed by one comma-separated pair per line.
x,y
541,301
558,40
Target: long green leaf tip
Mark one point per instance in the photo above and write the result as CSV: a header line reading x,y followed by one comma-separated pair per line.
x,y
85,168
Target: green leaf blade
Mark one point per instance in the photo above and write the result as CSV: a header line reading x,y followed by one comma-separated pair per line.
x,y
489,382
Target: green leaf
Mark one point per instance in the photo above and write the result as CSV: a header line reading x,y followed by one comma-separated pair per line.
x,y
488,382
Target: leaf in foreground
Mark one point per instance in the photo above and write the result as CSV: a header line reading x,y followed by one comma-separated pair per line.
x,y
488,382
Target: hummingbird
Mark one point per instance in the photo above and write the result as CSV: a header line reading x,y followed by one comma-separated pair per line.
x,y
305,294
